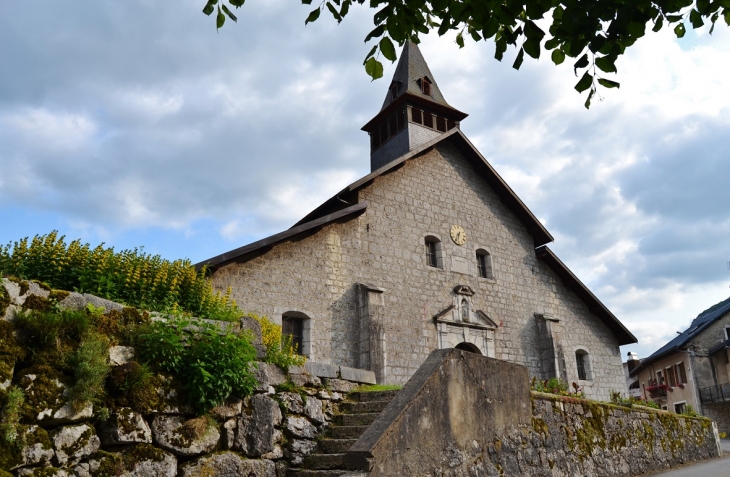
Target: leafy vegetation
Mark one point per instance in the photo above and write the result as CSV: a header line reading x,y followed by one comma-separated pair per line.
x,y
595,33
629,401
130,276
279,349
10,415
556,386
212,364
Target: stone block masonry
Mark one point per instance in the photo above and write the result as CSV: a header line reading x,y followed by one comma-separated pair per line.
x,y
322,277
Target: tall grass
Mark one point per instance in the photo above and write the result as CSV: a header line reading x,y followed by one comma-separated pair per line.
x,y
132,277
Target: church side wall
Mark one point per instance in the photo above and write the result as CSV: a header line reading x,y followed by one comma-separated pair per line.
x,y
385,247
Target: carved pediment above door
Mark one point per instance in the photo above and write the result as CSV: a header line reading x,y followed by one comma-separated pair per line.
x,y
485,320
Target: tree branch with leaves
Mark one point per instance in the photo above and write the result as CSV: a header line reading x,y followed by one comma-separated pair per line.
x,y
594,32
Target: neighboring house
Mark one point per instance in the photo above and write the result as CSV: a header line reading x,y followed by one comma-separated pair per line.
x,y
430,250
692,369
632,383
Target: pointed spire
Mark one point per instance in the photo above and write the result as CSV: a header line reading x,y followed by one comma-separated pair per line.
x,y
414,111
410,72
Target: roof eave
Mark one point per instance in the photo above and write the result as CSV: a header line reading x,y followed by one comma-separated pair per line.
x,y
594,304
255,249
409,97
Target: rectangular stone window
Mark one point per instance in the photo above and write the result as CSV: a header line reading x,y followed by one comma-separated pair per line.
x,y
294,328
431,256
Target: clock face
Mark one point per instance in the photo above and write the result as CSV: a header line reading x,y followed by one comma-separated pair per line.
x,y
458,235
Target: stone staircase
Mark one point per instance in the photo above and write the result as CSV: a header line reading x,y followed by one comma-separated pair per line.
x,y
356,413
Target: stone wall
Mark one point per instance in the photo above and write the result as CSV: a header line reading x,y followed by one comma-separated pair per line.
x,y
720,413
462,415
157,434
384,248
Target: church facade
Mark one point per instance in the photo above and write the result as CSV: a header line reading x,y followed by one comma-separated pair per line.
x,y
430,250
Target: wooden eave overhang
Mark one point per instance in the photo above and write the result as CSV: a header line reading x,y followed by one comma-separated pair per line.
x,y
595,306
508,197
255,249
415,99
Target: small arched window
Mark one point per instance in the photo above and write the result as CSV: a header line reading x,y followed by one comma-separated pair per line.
x,y
583,364
295,329
484,264
464,310
433,251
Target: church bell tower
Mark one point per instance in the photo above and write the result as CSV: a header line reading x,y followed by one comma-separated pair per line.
x,y
413,113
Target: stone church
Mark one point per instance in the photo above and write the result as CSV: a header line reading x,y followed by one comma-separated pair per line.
x,y
430,250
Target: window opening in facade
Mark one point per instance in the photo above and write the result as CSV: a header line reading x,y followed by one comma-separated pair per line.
x,y
464,310
681,375
440,124
426,86
431,253
581,361
659,377
393,91
671,380
727,332
484,264
293,328
679,407
428,120
390,126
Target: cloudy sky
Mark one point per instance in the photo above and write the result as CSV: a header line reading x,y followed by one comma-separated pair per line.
x,y
136,123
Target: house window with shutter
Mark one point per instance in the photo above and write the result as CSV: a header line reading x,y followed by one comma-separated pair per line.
x,y
680,373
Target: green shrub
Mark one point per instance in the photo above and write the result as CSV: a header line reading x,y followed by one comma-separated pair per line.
x,y
130,276
212,365
556,386
10,416
90,367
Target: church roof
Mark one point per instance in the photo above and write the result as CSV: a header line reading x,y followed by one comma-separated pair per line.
x,y
698,325
411,69
538,231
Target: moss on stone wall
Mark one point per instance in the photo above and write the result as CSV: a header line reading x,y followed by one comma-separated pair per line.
x,y
4,300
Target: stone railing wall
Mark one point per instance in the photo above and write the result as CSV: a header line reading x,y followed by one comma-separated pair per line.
x,y
463,414
263,434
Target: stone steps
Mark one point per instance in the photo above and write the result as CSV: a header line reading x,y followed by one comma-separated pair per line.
x,y
355,415
364,419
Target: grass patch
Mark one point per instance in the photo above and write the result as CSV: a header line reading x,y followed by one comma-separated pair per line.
x,y
377,387
90,368
10,416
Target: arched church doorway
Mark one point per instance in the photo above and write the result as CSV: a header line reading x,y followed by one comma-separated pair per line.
x,y
468,347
